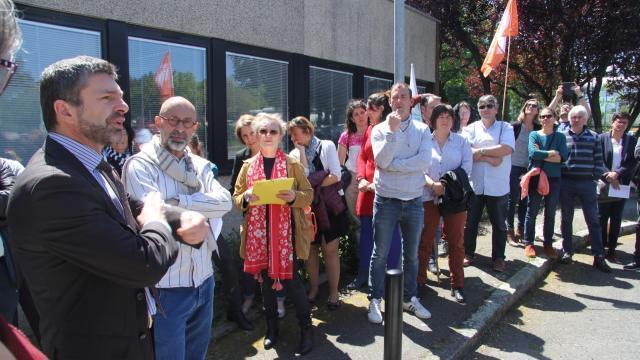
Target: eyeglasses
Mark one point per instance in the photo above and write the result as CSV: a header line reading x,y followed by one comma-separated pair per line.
x,y
549,116
173,121
488,106
7,69
532,105
271,132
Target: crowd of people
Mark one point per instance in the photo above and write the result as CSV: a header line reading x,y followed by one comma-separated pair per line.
x,y
110,250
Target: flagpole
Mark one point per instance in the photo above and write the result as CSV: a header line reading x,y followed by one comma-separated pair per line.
x,y
506,76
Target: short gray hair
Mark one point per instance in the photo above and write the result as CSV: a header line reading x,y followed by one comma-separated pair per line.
x,y
578,110
268,118
488,99
10,35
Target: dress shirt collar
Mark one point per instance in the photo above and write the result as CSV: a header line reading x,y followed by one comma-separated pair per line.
x,y
87,156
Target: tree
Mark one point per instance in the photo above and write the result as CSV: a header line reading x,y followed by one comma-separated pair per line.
x,y
559,40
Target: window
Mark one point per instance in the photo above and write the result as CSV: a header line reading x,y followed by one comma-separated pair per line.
x,y
254,85
22,131
330,92
375,84
158,70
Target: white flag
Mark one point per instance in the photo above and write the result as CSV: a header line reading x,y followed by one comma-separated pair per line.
x,y
415,112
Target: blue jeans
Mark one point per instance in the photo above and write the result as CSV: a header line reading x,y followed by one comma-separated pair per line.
x,y
497,210
186,331
585,190
387,214
514,198
366,247
533,206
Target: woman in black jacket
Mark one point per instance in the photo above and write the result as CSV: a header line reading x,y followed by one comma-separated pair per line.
x,y
617,152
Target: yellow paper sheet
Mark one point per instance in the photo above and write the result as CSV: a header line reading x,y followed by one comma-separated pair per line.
x,y
266,190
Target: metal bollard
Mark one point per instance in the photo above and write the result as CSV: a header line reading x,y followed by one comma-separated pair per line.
x,y
394,288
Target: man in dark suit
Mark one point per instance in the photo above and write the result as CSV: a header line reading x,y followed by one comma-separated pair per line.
x,y
73,231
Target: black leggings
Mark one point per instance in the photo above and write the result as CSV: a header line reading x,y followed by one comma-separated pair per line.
x,y
295,291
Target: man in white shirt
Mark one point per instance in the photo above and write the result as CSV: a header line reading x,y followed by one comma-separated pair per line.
x,y
492,143
182,326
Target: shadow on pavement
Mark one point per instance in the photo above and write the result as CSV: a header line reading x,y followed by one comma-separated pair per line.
x,y
519,342
616,303
574,273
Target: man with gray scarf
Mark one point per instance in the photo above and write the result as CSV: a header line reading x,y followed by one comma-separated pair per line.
x,y
165,165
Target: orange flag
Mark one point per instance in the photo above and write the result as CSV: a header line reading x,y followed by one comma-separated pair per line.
x,y
164,77
508,27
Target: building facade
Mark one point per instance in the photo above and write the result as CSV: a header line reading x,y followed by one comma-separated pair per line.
x,y
228,57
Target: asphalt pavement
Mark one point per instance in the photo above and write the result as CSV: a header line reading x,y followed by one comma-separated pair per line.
x,y
576,313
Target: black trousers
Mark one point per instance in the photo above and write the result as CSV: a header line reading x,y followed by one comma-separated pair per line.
x,y
610,213
295,292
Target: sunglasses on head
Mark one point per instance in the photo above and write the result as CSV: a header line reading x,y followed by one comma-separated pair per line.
x,y
488,106
271,132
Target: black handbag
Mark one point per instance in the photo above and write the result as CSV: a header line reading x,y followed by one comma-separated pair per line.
x,y
345,174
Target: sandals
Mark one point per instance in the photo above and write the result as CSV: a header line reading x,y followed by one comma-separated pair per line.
x,y
332,306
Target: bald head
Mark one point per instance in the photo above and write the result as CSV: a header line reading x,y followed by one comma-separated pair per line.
x,y
176,123
176,102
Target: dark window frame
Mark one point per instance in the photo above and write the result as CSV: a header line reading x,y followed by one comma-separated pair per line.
x,y
114,38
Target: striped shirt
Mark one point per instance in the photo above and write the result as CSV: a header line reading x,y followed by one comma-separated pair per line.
x,y
90,160
585,156
193,266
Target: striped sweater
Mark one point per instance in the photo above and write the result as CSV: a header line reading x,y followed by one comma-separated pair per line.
x,y
585,156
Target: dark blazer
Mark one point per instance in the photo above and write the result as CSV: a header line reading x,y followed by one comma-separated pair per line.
x,y
627,165
85,266
241,156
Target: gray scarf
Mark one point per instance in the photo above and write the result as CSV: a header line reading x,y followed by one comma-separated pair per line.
x,y
183,173
311,152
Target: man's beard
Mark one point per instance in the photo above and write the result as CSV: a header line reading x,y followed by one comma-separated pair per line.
x,y
174,145
101,134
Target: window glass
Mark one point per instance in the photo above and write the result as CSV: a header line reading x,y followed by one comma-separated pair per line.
x,y
375,84
158,70
22,131
254,85
330,92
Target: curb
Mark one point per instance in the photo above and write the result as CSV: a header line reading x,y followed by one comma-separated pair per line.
x,y
504,297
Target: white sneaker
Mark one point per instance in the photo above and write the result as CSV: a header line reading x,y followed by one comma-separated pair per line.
x,y
416,308
374,315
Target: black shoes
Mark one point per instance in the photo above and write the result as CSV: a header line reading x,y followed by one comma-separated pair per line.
x,y
271,337
600,264
238,317
306,339
458,295
566,258
635,265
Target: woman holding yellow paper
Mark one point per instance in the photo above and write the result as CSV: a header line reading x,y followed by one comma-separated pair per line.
x,y
273,237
